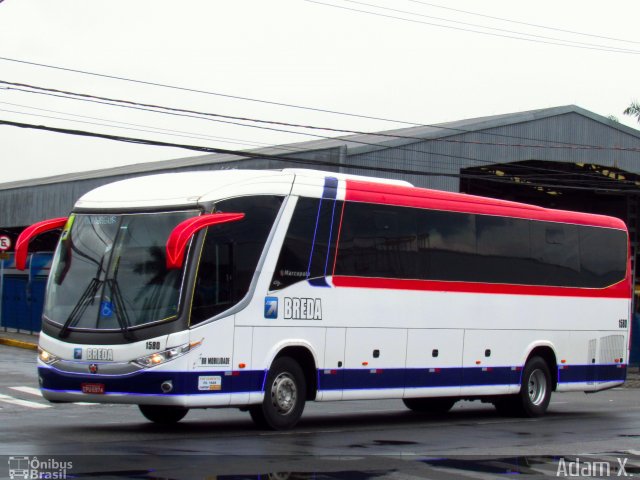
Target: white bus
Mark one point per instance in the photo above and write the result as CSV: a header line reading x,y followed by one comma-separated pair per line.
x,y
262,290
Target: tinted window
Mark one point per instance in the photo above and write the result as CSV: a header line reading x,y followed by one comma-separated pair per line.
x,y
504,249
397,242
556,253
109,271
603,255
308,248
230,254
446,245
378,241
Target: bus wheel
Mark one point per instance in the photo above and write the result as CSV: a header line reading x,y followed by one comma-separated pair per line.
x,y
429,405
284,396
535,392
163,414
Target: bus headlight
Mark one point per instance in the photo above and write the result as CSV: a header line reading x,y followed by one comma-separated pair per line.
x,y
47,357
167,355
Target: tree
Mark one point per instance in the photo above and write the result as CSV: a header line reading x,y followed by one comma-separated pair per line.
x,y
633,110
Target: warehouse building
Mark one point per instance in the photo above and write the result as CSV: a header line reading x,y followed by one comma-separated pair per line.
x,y
563,157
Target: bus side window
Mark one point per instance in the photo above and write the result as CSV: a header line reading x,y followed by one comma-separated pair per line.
x,y
230,255
447,246
555,249
378,241
308,248
504,249
603,259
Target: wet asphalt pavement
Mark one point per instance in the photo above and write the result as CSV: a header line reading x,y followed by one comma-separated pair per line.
x,y
359,439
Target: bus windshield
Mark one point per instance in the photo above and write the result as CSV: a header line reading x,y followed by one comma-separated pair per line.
x,y
109,272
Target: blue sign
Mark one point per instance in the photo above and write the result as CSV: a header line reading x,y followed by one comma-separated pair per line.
x,y
106,309
77,354
271,307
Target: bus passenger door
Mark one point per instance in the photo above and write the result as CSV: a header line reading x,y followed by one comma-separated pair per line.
x,y
434,361
331,374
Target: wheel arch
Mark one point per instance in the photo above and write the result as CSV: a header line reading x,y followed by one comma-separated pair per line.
x,y
303,353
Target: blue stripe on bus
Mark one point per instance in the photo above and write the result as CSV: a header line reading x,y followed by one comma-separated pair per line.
x,y
186,383
148,382
319,282
330,191
591,373
333,215
417,378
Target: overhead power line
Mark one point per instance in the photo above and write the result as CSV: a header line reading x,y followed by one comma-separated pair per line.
x,y
197,148
204,92
562,43
442,127
185,113
528,24
186,89
495,29
433,160
296,160
125,125
157,108
433,157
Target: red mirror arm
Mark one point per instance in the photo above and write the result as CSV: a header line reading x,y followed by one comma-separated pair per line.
x,y
180,236
29,233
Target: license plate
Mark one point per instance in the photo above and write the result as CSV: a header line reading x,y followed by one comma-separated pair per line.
x,y
92,387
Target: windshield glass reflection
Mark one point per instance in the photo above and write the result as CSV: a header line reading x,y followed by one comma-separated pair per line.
x,y
109,272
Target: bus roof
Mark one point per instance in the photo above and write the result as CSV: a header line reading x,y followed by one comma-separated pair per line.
x,y
188,189
184,189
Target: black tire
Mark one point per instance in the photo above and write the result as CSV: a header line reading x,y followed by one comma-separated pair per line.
x,y
430,405
535,392
163,414
284,396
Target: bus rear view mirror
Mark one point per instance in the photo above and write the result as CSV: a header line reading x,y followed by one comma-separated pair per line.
x,y
180,236
29,233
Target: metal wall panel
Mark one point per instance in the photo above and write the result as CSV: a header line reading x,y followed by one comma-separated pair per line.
x,y
569,137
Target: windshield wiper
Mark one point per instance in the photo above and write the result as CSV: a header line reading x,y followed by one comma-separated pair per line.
x,y
86,299
81,306
121,312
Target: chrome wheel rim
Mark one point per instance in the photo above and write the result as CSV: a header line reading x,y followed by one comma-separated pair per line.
x,y
284,393
537,387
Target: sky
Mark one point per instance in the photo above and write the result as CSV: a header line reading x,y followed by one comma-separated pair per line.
x,y
400,61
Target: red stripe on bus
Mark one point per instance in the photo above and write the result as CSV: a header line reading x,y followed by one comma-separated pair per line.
x,y
619,290
379,193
